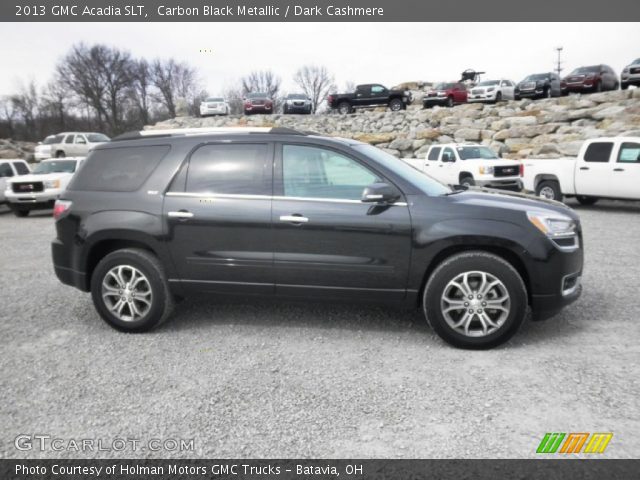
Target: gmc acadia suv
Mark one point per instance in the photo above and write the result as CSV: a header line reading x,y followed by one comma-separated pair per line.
x,y
157,215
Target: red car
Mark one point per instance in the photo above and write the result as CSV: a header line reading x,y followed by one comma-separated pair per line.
x,y
595,78
446,94
257,103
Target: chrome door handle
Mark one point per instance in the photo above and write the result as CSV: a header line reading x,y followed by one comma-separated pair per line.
x,y
180,214
618,169
293,218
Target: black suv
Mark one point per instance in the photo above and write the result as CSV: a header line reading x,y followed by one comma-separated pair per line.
x,y
155,216
540,85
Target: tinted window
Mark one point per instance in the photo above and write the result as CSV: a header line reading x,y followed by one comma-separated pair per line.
x,y
629,153
448,155
434,153
598,152
377,89
122,169
320,173
239,169
21,168
97,138
485,153
69,139
5,170
56,166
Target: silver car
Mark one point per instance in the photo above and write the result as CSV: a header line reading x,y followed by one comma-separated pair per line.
x,y
297,103
630,75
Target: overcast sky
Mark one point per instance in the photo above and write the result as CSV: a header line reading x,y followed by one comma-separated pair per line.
x,y
387,53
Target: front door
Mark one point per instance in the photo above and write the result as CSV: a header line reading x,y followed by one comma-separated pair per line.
x,y
218,213
327,242
594,171
626,171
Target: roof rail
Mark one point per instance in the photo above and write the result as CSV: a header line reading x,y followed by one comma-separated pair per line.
x,y
204,131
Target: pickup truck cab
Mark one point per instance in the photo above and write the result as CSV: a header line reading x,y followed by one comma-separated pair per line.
x,y
8,170
605,168
469,165
370,95
40,189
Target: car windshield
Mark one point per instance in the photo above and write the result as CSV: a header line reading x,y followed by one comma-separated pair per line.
x,y
489,83
537,76
97,137
51,139
474,152
297,96
424,182
592,69
443,86
636,61
56,166
257,95
215,99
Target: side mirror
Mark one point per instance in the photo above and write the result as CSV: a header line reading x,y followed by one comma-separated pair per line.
x,y
380,193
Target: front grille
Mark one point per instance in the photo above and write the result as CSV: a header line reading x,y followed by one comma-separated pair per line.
x,y
27,187
433,94
257,102
528,86
509,171
635,70
212,105
298,104
477,91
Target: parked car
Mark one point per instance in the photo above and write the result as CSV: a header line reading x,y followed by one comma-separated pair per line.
x,y
445,94
630,75
492,91
280,213
469,165
297,103
43,149
539,85
604,168
370,95
595,78
214,106
40,189
76,144
257,102
11,169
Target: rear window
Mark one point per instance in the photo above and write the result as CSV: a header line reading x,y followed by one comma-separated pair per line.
x,y
122,169
598,152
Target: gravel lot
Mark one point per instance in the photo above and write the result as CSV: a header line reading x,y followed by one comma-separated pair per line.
x,y
294,380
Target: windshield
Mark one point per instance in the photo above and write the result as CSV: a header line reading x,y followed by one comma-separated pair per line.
x,y
592,69
636,61
51,139
97,137
214,99
537,76
257,95
56,166
485,153
489,83
424,182
443,86
297,96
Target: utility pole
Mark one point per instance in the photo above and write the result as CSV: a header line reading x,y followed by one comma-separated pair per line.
x,y
559,63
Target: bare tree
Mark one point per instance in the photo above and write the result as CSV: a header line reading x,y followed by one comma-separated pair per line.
x,y
174,81
7,117
141,88
55,102
233,96
263,81
316,82
27,106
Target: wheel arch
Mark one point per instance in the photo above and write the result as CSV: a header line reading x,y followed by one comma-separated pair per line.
x,y
461,175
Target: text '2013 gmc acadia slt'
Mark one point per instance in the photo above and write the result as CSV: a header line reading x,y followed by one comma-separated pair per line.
x,y
157,215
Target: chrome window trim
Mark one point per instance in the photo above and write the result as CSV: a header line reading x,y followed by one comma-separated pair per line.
x,y
274,197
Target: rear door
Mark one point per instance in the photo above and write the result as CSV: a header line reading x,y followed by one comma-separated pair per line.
x,y
363,95
594,170
626,171
218,212
447,171
327,242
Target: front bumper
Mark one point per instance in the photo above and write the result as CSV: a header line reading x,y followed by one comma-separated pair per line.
x,y
533,93
630,78
431,101
580,87
298,108
512,184
482,97
213,111
34,201
258,109
41,155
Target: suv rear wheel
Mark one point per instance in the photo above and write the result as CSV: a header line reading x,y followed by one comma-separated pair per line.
x,y
344,108
475,300
130,290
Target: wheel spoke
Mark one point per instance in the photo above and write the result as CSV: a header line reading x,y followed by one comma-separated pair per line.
x,y
127,293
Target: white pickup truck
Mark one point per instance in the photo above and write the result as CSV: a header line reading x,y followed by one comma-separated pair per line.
x,y
469,165
605,168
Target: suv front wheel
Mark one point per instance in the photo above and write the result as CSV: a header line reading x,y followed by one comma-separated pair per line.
x,y
475,300
130,290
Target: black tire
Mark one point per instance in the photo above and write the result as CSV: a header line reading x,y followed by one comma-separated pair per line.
x,y
20,212
475,261
598,87
162,301
344,108
582,200
395,105
450,102
60,154
517,97
549,189
467,180
624,86
498,97
548,93
285,110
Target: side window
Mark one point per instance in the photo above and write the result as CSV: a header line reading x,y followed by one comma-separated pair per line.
x,y
434,153
377,89
69,139
5,170
233,169
80,139
598,152
363,90
448,155
313,172
21,168
629,153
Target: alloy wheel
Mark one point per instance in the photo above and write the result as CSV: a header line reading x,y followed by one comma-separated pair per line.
x,y
126,293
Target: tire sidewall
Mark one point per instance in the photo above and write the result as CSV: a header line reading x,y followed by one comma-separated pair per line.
x,y
395,102
557,194
472,261
154,316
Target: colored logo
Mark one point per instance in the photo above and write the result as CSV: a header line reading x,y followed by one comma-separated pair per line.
x,y
574,442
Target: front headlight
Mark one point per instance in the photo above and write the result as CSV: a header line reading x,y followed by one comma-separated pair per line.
x,y
52,184
486,170
553,225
